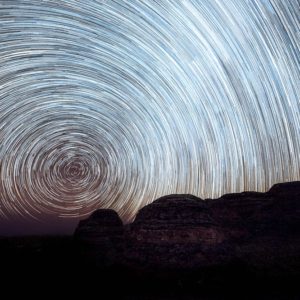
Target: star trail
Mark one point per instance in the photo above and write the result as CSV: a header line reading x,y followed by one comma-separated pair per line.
x,y
114,103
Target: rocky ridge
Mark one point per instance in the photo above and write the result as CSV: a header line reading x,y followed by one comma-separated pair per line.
x,y
184,232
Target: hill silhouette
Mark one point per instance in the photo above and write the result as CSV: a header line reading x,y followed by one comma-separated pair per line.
x,y
179,243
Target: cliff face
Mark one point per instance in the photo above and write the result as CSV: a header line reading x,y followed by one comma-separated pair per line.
x,y
184,232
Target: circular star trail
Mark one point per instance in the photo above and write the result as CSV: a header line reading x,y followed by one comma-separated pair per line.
x,y
113,103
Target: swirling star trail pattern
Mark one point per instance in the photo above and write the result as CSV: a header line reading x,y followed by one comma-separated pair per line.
x,y
113,103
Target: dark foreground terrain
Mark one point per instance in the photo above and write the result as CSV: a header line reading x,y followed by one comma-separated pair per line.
x,y
178,247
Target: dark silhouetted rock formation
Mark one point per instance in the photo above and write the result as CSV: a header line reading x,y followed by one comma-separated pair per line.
x,y
101,225
183,232
101,236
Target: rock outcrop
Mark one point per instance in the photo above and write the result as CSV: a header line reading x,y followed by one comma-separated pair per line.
x,y
101,225
184,232
101,237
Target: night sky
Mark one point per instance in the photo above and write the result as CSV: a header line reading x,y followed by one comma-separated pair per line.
x,y
114,103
